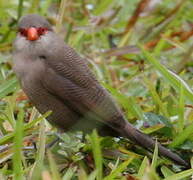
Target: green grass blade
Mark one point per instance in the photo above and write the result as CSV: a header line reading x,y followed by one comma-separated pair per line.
x,y
155,157
156,97
8,86
53,167
17,148
82,174
160,45
142,167
32,123
61,15
119,169
180,175
92,176
38,166
96,149
103,5
10,110
166,171
69,173
187,132
20,9
181,111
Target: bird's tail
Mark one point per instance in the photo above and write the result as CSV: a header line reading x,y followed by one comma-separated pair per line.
x,y
145,141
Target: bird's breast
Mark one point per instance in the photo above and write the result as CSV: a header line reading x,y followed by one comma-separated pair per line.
x,y
28,69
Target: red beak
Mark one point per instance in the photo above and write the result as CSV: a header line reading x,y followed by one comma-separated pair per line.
x,y
32,34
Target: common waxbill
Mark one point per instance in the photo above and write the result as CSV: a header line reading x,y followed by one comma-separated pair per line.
x,y
56,78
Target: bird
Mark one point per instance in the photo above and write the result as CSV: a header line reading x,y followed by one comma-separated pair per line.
x,y
56,78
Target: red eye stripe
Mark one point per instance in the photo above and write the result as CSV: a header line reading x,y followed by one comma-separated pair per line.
x,y
23,31
41,31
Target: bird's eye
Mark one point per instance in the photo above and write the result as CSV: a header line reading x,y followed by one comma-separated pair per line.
x,y
23,31
42,31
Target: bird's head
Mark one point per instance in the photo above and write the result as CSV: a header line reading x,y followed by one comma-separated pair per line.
x,y
33,27
35,36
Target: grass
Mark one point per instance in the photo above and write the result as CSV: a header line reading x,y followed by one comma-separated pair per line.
x,y
142,56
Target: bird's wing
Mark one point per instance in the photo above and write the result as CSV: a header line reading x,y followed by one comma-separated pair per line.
x,y
67,63
69,78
